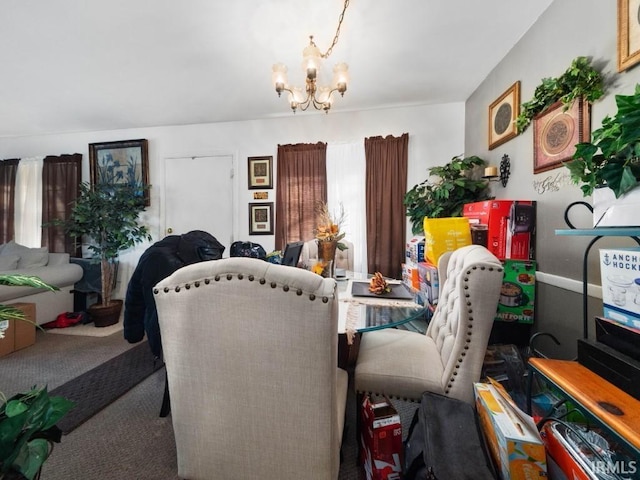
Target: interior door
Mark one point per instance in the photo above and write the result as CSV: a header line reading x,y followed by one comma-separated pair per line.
x,y
199,196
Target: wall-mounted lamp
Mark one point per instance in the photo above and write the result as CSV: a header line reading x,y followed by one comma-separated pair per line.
x,y
491,173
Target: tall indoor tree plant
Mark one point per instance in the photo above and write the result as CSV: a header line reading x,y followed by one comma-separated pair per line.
x,y
108,217
445,197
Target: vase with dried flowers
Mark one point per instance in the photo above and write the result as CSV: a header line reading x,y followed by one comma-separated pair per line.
x,y
328,235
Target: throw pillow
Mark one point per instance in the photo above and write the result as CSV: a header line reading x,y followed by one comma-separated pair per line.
x,y
29,257
8,262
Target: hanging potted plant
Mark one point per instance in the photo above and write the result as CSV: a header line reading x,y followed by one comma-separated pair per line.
x,y
446,197
107,216
608,167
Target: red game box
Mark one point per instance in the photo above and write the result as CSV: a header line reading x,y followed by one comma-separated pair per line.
x,y
381,439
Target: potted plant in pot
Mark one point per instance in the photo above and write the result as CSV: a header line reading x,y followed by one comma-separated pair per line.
x,y
27,420
446,197
107,216
609,165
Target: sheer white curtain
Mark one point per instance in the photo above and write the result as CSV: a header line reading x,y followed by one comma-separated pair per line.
x,y
28,206
346,185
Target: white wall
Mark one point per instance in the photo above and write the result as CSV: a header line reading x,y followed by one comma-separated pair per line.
x,y
568,29
435,135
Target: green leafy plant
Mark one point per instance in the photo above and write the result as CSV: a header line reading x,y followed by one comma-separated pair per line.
x,y
446,197
8,312
28,430
612,159
108,216
581,79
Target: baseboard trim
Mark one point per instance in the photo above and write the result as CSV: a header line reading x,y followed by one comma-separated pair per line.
x,y
568,284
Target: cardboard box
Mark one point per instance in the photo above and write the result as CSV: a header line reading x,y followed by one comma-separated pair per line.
x,y
518,292
620,274
429,281
512,436
415,251
511,226
19,334
381,439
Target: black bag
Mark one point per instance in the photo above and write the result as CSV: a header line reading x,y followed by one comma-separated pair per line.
x,y
247,249
445,442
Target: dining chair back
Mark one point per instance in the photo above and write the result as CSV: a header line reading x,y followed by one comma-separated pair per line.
x,y
250,350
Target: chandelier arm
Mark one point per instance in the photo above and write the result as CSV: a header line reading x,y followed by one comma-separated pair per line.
x,y
337,35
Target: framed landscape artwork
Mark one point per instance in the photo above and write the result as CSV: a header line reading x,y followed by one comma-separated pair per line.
x,y
502,116
556,132
121,163
261,218
628,33
260,173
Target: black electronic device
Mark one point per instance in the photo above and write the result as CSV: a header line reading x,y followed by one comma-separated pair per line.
x,y
615,367
618,337
291,255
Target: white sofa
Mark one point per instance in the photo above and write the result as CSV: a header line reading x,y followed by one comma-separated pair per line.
x,y
53,268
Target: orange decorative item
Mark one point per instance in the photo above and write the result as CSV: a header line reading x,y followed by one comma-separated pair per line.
x,y
378,284
328,235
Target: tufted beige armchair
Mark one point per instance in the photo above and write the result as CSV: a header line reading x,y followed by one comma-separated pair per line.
x,y
448,359
344,258
251,355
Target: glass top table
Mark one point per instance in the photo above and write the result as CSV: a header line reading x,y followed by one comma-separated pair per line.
x,y
361,314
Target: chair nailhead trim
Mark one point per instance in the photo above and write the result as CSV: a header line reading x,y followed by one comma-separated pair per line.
x,y
312,297
177,289
229,276
197,284
274,284
207,281
325,299
262,281
187,286
240,276
298,292
251,278
285,288
155,291
217,278
166,289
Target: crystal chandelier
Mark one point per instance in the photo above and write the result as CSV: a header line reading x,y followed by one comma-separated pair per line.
x,y
321,97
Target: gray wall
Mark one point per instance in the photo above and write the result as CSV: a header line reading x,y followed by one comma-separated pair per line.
x,y
568,29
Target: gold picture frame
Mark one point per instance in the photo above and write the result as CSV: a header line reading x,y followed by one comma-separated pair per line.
x,y
556,131
502,116
261,218
260,171
628,34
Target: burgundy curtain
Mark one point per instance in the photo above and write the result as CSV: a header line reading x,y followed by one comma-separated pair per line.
x,y
301,184
8,169
386,185
61,177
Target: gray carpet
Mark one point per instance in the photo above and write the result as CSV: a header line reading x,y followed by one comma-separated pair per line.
x,y
127,439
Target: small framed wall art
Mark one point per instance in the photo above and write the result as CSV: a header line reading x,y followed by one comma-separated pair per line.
x,y
261,218
260,173
556,132
502,116
121,163
628,34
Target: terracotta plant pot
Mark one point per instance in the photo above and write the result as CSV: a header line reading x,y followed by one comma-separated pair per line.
x,y
105,315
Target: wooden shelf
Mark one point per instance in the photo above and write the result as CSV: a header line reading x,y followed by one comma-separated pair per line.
x,y
616,410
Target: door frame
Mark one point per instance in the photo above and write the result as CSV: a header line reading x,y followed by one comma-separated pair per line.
x,y
234,186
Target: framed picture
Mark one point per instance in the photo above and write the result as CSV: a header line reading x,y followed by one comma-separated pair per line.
x,y
502,116
556,132
260,173
121,163
628,33
261,218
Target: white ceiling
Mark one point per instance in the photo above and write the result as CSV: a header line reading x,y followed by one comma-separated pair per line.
x,y
85,65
